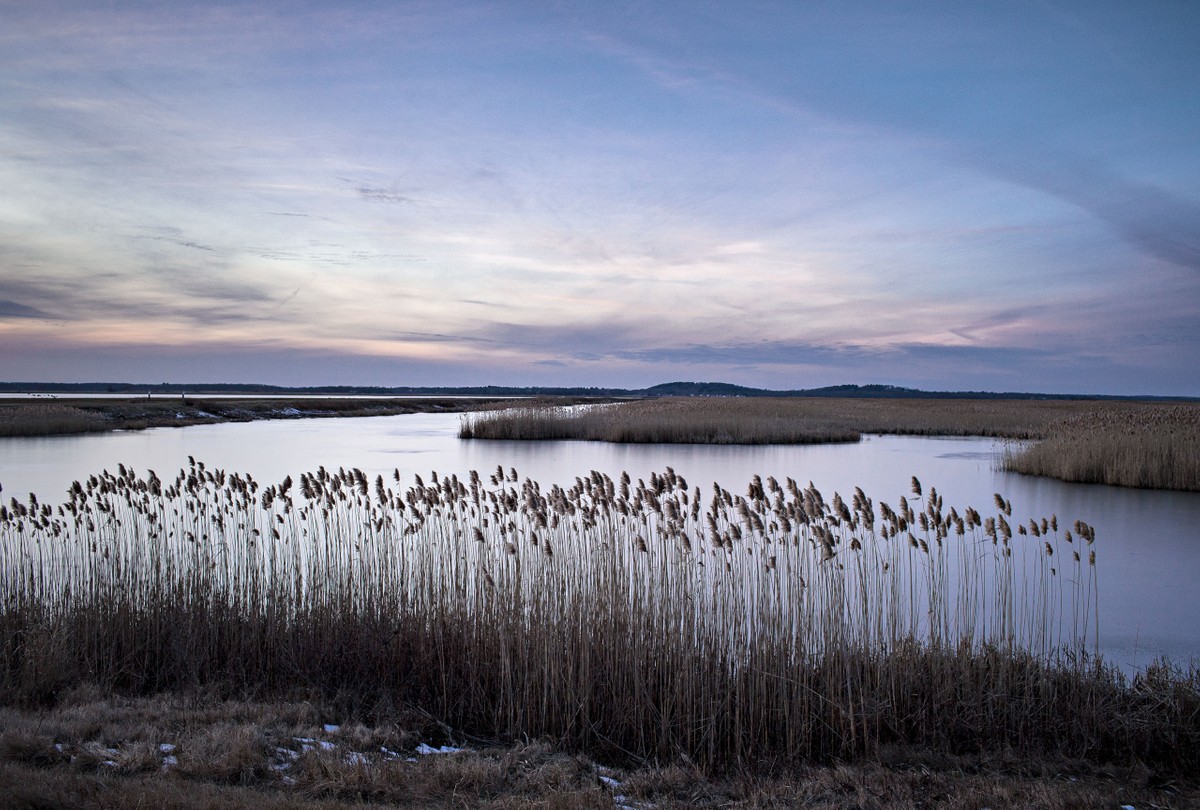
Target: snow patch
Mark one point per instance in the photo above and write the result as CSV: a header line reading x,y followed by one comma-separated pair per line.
x,y
308,744
445,749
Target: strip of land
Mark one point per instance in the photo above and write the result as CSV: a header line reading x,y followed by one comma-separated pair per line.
x,y
40,416
1149,444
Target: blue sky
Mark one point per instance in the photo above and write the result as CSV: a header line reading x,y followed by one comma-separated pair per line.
x,y
998,196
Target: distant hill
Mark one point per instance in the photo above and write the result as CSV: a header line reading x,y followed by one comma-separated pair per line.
x,y
712,389
671,389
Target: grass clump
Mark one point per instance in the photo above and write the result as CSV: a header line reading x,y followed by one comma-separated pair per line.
x,y
636,621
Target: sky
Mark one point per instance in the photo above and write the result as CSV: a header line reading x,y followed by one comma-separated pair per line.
x,y
999,196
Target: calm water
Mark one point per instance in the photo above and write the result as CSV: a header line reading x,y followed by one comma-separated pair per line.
x,y
1148,543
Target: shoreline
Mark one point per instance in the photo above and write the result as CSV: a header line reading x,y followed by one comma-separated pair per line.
x,y
1146,445
47,416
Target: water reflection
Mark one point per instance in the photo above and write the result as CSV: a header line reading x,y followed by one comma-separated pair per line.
x,y
1148,542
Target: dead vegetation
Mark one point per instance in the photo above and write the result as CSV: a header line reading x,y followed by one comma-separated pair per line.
x,y
637,620
1154,447
88,753
48,419
1135,444
615,643
769,420
43,417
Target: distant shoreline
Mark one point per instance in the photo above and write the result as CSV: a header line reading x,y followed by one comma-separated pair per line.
x,y
671,389
49,416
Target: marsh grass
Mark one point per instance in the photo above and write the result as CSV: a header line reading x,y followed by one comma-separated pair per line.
x,y
48,419
1136,444
1155,447
769,420
705,420
639,621
37,417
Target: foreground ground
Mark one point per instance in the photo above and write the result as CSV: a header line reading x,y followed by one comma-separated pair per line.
x,y
92,752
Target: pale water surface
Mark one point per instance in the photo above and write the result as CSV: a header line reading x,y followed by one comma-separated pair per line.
x,y
1148,543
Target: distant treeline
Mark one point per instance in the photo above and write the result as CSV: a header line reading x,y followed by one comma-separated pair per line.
x,y
671,389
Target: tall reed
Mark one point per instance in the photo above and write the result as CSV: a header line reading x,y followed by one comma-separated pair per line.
x,y
629,618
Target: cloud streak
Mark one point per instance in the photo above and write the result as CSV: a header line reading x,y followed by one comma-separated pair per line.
x,y
11,309
1164,224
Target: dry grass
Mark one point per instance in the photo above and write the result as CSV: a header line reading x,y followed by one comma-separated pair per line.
x,y
637,621
93,753
768,420
1156,447
46,419
37,417
1138,444
702,420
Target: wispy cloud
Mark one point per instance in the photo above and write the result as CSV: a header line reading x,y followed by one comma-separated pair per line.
x,y
1164,224
382,195
11,309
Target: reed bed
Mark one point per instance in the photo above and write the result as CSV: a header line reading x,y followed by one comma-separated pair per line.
x,y
47,420
664,421
1136,444
644,620
769,420
1151,447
